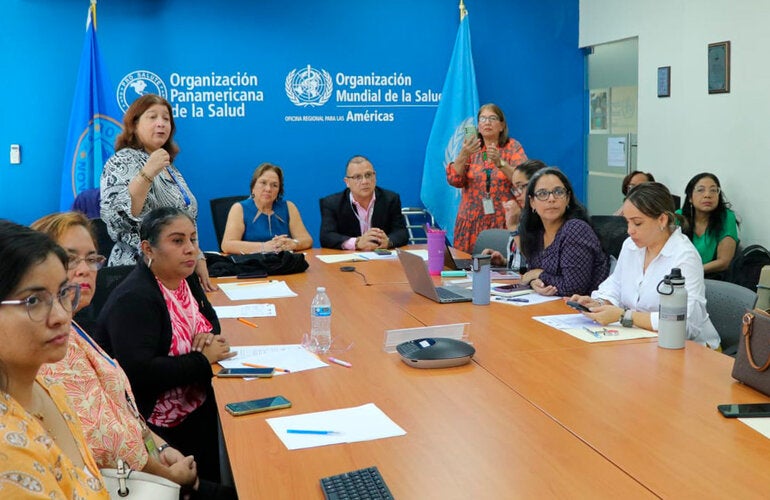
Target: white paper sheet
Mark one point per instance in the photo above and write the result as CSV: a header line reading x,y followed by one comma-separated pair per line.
x,y
761,425
524,299
257,290
350,425
245,311
341,257
291,357
587,330
420,253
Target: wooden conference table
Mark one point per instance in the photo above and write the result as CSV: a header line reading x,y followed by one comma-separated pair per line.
x,y
537,414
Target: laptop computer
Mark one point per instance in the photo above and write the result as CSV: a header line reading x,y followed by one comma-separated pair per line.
x,y
455,264
416,271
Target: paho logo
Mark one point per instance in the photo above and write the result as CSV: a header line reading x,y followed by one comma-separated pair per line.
x,y
136,84
308,86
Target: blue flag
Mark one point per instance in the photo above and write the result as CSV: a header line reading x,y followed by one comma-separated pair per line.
x,y
457,109
95,121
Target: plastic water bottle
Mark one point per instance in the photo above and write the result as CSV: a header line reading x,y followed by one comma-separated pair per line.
x,y
321,322
672,326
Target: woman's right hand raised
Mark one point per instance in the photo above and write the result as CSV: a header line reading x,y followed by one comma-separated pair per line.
x,y
512,214
159,159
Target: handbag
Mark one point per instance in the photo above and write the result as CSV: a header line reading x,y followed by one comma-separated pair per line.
x,y
753,357
123,482
270,263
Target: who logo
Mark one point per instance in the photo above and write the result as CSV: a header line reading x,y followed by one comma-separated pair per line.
x,y
309,86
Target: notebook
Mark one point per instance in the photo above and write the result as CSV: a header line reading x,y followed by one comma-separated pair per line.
x,y
416,271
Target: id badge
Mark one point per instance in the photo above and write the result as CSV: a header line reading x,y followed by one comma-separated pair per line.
x,y
149,443
489,206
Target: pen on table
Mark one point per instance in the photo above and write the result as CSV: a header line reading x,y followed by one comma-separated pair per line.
x,y
512,299
308,431
247,322
593,332
340,362
253,283
252,365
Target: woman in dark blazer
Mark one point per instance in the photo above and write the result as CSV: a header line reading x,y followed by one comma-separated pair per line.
x,y
164,332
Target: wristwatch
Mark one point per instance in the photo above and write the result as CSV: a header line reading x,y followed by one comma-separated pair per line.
x,y
627,318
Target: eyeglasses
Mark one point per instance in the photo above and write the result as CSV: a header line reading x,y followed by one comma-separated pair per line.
x,y
558,193
715,190
518,189
490,119
94,262
39,303
359,177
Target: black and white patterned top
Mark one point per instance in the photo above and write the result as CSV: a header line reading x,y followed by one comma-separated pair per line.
x,y
116,201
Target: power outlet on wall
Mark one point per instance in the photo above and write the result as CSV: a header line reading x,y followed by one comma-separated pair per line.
x,y
15,154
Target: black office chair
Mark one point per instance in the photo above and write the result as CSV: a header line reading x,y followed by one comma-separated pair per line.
x,y
496,239
103,240
612,231
220,207
726,303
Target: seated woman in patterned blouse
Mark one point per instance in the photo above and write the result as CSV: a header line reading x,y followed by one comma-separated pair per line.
x,y
96,385
265,222
564,254
43,453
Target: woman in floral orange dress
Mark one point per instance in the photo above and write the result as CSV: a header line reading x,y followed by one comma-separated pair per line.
x,y
483,171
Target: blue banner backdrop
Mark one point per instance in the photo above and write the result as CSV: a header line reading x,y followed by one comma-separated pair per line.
x,y
305,88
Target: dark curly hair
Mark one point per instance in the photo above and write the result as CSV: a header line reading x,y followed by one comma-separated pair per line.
x,y
716,217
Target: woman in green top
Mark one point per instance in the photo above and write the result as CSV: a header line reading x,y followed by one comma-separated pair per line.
x,y
711,225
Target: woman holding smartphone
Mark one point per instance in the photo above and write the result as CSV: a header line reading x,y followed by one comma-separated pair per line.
x,y
43,453
655,246
483,170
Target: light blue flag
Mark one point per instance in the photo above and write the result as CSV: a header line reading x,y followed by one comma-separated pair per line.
x,y
95,121
457,109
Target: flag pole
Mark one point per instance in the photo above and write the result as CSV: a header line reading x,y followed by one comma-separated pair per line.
x,y
463,10
93,12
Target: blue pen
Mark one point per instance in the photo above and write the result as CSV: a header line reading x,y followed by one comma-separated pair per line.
x,y
307,431
511,299
593,332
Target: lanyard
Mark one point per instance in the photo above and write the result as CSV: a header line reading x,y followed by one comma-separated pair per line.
x,y
91,343
488,171
179,185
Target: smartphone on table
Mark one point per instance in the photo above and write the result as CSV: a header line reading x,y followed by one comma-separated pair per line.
x,y
257,405
577,306
382,251
246,372
745,410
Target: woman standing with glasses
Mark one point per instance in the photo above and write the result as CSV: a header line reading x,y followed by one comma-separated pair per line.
x,y
42,449
483,170
563,253
710,224
141,176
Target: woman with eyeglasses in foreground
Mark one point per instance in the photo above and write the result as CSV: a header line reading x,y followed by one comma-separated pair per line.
x,y
96,384
563,253
520,179
655,246
265,222
162,329
711,225
483,170
43,453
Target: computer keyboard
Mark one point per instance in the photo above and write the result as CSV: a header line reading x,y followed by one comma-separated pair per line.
x,y
363,484
445,293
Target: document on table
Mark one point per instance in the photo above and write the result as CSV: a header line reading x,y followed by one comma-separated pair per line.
x,y
245,311
341,257
761,425
347,425
290,357
587,330
527,298
420,253
255,290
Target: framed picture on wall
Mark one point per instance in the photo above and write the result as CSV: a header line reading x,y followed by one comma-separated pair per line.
x,y
599,112
719,67
664,81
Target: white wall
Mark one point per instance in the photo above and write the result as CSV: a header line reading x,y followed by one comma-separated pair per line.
x,y
692,131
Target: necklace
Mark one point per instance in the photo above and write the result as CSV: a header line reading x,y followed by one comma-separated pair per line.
x,y
40,403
